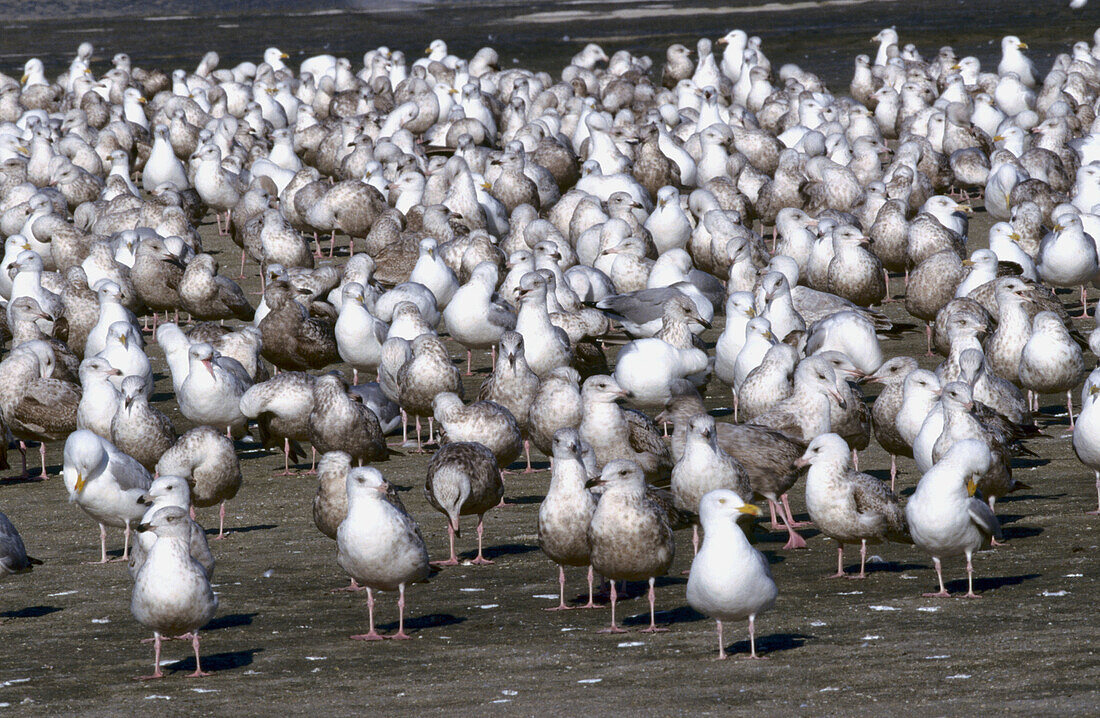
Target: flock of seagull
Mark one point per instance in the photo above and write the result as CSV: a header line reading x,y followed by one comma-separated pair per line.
x,y
543,219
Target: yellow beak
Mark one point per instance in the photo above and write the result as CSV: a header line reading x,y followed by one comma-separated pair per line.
x,y
23,79
971,487
750,509
283,56
1022,46
80,481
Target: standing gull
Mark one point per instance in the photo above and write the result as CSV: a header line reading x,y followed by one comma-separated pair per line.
x,y
379,545
944,517
730,580
566,512
630,538
207,460
846,505
463,479
106,484
172,594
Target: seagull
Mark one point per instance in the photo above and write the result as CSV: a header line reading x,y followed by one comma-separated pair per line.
x,y
730,580
944,517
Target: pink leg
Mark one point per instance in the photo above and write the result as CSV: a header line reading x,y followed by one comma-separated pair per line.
x,y
354,376
893,470
156,661
221,521
453,560
371,635
42,453
23,455
352,587
591,603
561,592
527,453
1069,411
855,459
102,547
419,445
286,459
1084,304
721,643
125,547
790,516
479,559
928,335
613,628
431,429
400,635
313,461
771,508
839,562
469,358
939,574
970,577
242,266
199,672
752,641
862,561
1097,511
794,541
695,539
652,613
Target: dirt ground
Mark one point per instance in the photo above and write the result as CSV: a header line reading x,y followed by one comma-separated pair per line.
x,y
483,643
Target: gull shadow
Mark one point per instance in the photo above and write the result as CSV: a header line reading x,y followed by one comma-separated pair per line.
x,y
1009,518
508,549
419,623
16,480
230,530
231,621
1018,463
162,396
886,567
521,500
1020,532
217,662
682,614
30,612
521,467
989,583
764,535
770,644
1011,498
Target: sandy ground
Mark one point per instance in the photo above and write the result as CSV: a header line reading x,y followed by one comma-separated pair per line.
x,y
483,643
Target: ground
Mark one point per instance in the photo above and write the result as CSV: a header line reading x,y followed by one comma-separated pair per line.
x,y
481,640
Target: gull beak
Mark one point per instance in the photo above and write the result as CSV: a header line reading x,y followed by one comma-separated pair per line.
x,y
971,487
1058,228
284,56
209,364
80,482
142,528
124,340
142,100
486,186
998,138
801,461
749,509
1022,46
769,335
704,322
23,79
1015,236
751,312
723,41
593,483
967,263
965,209
383,488
839,399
